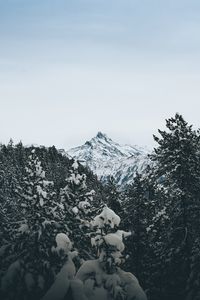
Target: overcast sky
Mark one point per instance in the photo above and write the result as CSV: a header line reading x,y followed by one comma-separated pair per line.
x,y
70,68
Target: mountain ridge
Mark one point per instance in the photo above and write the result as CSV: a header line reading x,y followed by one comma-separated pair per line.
x,y
107,158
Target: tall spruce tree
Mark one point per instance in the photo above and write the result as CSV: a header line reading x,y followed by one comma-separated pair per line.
x,y
177,167
113,198
136,207
78,201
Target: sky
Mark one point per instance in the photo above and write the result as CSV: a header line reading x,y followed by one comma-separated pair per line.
x,y
69,69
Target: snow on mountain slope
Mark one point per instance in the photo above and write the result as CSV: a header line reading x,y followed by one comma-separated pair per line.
x,y
108,158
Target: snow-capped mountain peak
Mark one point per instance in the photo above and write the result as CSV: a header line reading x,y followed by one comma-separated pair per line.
x,y
108,158
101,135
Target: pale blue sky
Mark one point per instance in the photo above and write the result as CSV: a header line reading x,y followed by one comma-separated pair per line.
x,y
71,68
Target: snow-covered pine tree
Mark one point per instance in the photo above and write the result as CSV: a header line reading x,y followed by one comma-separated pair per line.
x,y
60,288
177,166
137,211
156,241
10,215
34,264
79,207
102,278
9,182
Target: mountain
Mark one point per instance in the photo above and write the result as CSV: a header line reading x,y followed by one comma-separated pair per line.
x,y
108,158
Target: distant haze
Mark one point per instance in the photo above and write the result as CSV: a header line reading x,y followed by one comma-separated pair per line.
x,y
69,69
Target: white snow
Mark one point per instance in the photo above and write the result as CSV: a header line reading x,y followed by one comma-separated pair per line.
x,y
105,157
75,165
108,286
97,240
23,228
59,288
63,243
39,171
107,217
84,205
131,286
75,210
78,290
91,193
41,202
113,239
45,223
77,179
41,192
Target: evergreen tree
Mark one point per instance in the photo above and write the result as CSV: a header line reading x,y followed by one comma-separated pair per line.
x,y
34,265
136,207
113,198
78,202
102,278
177,166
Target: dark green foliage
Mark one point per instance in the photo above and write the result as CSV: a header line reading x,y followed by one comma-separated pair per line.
x,y
113,196
136,204
79,202
161,208
177,160
33,213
